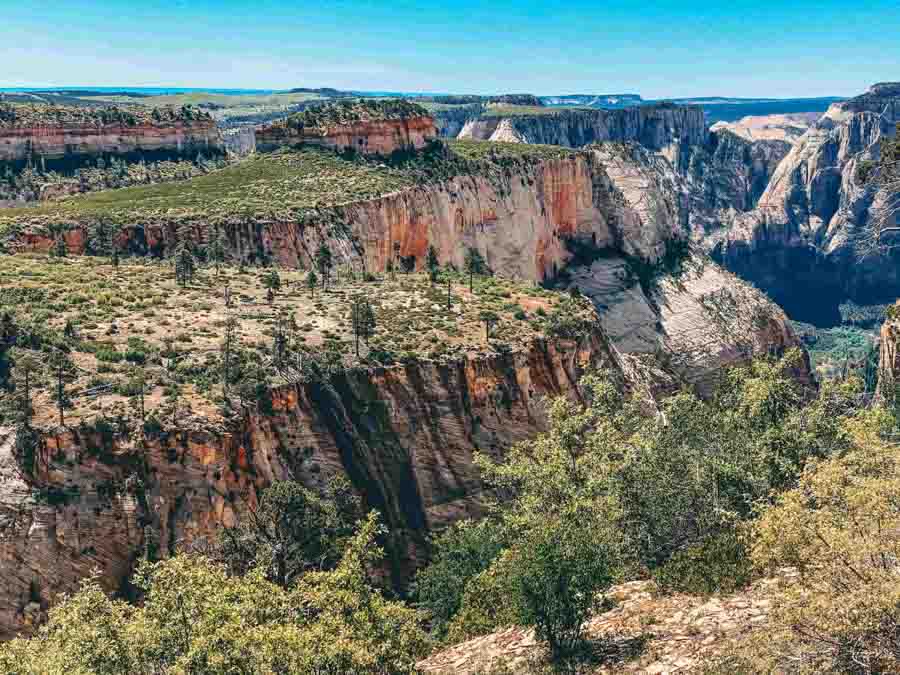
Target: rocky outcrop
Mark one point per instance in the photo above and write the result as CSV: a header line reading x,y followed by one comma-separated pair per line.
x,y
889,358
805,236
696,322
719,173
788,128
663,128
53,152
81,500
376,137
609,219
450,120
521,216
55,139
726,178
644,632
45,146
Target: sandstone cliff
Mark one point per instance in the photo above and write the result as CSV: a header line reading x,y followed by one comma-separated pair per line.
x,y
788,127
367,127
806,230
61,139
48,152
609,220
662,128
889,358
370,138
718,173
82,500
607,217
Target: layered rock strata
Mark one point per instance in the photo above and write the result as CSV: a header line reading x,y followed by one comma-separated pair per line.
x,y
376,137
405,437
609,220
810,226
51,139
662,128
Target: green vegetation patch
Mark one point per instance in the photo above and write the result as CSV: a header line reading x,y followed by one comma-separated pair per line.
x,y
490,151
19,115
272,185
286,185
109,318
346,111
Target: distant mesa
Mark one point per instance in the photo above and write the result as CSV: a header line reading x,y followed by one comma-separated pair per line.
x,y
61,138
327,92
369,127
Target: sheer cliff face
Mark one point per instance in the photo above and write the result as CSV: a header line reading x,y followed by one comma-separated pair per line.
x,y
661,128
804,231
730,172
722,171
54,143
605,220
520,219
404,436
380,137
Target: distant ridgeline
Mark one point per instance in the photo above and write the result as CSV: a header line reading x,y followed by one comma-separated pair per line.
x,y
48,151
369,127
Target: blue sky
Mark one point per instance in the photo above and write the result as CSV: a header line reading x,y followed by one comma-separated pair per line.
x,y
655,48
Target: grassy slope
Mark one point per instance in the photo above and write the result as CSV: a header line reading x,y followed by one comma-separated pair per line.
x,y
139,306
271,184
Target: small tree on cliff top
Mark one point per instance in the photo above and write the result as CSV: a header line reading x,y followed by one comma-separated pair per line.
x,y
474,264
431,262
324,262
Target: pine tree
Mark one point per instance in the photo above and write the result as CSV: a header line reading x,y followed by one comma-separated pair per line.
x,y
218,248
311,282
60,249
229,346
362,318
431,262
474,264
272,282
324,262
185,263
27,371
63,372
488,318
137,385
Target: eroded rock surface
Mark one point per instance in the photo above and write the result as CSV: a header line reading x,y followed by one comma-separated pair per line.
x,y
405,437
808,229
643,633
788,127
376,137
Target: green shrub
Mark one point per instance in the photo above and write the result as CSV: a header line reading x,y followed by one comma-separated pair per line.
x,y
459,554
719,564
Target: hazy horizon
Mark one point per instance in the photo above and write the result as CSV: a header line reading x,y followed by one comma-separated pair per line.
x,y
805,50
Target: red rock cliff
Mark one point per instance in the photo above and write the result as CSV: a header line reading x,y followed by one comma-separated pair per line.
x,y
405,436
55,142
381,137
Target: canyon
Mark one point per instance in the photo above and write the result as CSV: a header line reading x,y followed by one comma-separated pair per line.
x,y
405,436
779,200
609,222
809,227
